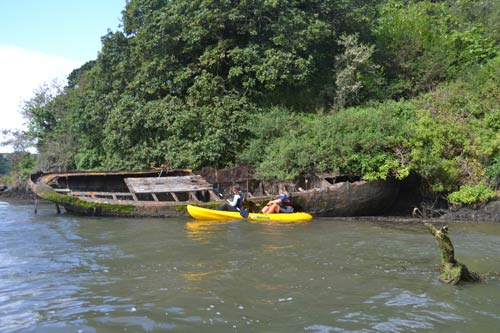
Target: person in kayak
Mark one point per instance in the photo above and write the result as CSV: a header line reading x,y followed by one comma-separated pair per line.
x,y
283,204
236,204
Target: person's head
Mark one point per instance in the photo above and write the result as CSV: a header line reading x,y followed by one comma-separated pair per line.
x,y
284,189
236,188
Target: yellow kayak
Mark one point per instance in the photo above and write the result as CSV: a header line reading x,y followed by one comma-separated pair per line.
x,y
201,213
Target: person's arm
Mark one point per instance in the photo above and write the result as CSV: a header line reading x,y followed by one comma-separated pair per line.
x,y
275,201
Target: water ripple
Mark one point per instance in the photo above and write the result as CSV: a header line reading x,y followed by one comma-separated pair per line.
x,y
43,277
60,273
413,312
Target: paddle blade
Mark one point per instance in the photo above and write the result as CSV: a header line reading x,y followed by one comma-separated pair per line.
x,y
244,213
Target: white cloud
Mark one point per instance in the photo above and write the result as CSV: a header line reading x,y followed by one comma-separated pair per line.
x,y
21,73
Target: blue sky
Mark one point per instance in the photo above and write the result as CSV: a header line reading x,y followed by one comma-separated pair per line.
x,y
68,28
44,40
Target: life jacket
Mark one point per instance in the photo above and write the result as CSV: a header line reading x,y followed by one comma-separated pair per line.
x,y
239,204
287,202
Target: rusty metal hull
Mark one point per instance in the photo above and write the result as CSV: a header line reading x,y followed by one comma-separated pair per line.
x,y
359,198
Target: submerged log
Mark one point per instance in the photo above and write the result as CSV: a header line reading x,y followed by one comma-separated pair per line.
x,y
452,271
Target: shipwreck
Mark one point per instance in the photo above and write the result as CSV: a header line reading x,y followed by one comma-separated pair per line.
x,y
166,193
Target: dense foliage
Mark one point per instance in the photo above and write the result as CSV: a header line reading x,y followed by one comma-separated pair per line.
x,y
4,165
373,88
19,166
472,194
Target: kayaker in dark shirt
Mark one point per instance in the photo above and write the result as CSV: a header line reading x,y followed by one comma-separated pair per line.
x,y
283,204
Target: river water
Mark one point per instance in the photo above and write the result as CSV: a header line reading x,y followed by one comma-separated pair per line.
x,y
64,273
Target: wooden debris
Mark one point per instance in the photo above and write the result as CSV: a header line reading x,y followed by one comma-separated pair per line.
x,y
452,271
167,184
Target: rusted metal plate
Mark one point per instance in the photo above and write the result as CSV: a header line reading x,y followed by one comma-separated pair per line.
x,y
168,184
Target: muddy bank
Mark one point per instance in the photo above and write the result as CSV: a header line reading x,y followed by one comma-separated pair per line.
x,y
18,193
411,205
490,212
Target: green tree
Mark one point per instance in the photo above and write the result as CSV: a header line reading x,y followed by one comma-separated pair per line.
x,y
354,69
4,165
454,140
413,45
219,83
424,43
184,78
40,112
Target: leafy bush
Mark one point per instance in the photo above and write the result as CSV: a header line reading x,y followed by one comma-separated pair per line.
x,y
22,165
424,43
4,165
493,172
456,133
362,141
26,165
472,194
266,127
413,44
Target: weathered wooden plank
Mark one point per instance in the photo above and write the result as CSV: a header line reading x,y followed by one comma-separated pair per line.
x,y
62,190
167,184
193,196
214,196
109,194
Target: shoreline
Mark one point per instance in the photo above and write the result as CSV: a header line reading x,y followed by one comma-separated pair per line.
x,y
489,212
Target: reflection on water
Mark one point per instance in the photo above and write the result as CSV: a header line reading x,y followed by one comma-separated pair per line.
x,y
61,273
203,230
39,278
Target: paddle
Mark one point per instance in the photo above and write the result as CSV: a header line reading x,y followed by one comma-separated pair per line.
x,y
243,212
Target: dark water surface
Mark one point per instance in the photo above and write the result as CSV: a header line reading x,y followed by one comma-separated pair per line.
x,y
62,273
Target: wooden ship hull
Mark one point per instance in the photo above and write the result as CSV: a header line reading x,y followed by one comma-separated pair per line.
x,y
160,193
148,193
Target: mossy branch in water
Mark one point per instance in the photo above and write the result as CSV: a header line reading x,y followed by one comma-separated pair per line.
x,y
452,271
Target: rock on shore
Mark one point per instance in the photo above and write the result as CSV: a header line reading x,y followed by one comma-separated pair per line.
x,y
490,212
19,192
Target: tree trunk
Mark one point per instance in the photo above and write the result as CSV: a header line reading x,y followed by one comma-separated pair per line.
x,y
452,271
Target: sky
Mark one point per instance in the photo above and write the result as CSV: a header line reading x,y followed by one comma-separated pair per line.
x,y
45,40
